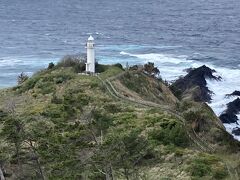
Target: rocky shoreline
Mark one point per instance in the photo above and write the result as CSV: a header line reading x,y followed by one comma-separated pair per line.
x,y
194,86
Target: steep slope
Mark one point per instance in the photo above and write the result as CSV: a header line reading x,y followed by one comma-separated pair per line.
x,y
118,125
140,86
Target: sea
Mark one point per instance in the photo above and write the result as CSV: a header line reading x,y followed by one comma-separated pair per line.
x,y
175,35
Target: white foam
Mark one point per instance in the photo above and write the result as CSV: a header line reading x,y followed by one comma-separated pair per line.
x,y
171,66
9,62
163,58
229,83
230,127
124,53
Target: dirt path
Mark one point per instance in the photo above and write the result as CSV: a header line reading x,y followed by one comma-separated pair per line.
x,y
198,141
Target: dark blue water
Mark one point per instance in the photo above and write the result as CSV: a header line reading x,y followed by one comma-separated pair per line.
x,y
33,32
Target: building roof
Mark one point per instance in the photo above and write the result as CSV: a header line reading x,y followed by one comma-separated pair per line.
x,y
90,38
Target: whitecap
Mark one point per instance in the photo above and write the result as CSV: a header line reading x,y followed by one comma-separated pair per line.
x,y
229,83
9,62
163,58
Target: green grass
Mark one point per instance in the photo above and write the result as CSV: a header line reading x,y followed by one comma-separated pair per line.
x,y
77,128
110,72
207,165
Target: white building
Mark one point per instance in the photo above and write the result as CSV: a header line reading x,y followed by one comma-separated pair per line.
x,y
90,65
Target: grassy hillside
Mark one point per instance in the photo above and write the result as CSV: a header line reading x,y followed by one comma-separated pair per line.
x,y
118,125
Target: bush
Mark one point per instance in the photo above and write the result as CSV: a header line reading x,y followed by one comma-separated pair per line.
x,y
54,111
76,62
139,80
22,78
74,102
56,100
151,70
193,115
29,84
200,169
51,65
2,114
45,87
177,92
220,173
118,65
112,108
207,165
99,68
170,133
78,68
102,121
61,77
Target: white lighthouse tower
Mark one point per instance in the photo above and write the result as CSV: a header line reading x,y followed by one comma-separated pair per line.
x,y
90,65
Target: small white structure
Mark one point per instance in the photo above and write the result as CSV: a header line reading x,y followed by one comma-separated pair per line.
x,y
90,65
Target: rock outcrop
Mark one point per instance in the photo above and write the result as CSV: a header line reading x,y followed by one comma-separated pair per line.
x,y
230,114
236,131
235,93
194,86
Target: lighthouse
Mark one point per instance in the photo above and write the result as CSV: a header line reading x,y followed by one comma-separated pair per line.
x,y
90,65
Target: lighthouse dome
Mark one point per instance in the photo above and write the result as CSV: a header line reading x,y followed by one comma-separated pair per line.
x,y
90,38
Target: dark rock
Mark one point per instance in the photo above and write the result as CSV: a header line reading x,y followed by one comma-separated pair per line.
x,y
230,114
196,79
228,118
235,93
236,131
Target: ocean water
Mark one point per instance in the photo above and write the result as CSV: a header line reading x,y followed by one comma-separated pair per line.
x,y
175,35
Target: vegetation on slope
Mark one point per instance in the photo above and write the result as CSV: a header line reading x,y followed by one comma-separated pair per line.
x,y
62,125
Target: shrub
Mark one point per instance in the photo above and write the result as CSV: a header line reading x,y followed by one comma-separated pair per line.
x,y
193,115
45,87
56,100
125,150
22,78
29,84
73,102
139,80
112,108
2,114
47,83
220,173
118,65
51,65
78,68
136,68
177,92
101,68
102,121
199,168
76,62
207,165
54,111
169,133
151,70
